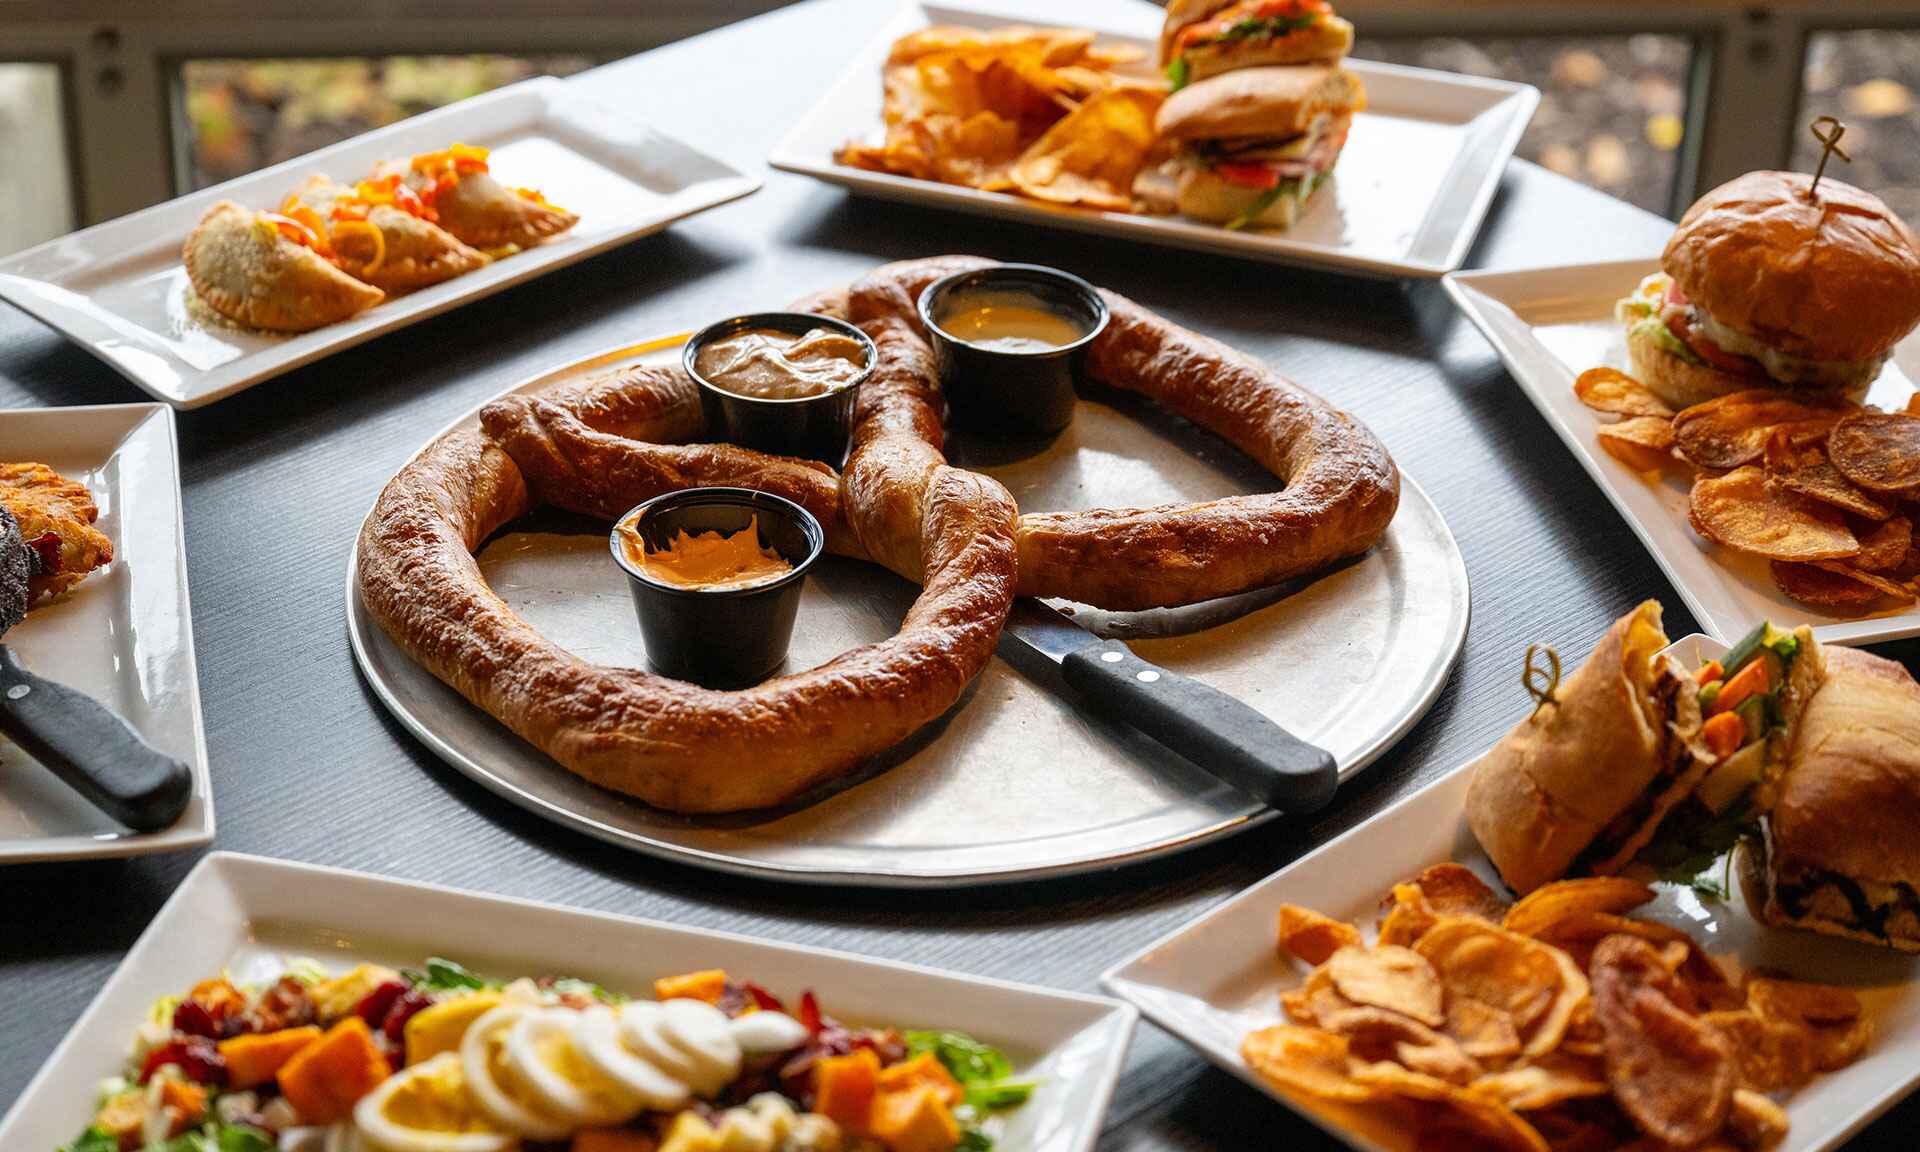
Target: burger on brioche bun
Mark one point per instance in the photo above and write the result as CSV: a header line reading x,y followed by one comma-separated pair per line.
x,y
1764,286
1203,38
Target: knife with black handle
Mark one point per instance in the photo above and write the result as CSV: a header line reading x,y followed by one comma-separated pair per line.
x,y
74,736
1225,736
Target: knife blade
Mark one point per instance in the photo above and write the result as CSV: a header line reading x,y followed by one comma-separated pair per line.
x,y
1224,736
80,740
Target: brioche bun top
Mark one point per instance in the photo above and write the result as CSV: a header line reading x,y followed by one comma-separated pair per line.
x,y
1269,101
1834,277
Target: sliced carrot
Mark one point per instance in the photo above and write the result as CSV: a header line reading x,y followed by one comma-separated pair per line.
x,y
1724,734
1709,672
1749,681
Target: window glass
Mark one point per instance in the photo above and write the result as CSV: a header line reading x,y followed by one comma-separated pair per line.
x,y
240,115
36,178
1870,80
1612,108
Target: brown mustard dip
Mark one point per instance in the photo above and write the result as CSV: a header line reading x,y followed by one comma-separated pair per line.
x,y
1008,322
768,364
706,560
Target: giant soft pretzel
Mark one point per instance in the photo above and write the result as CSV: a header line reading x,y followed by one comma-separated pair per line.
x,y
602,445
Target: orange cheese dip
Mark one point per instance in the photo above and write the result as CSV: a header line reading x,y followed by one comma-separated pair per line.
x,y
706,560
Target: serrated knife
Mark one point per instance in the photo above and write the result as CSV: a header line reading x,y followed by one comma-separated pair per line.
x,y
1221,735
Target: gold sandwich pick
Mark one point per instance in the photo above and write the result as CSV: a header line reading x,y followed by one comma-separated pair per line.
x,y
1828,131
1541,681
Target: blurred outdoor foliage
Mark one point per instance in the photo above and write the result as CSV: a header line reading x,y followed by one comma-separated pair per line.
x,y
247,114
1868,80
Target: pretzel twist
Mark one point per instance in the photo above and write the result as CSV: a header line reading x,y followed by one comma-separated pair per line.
x,y
601,445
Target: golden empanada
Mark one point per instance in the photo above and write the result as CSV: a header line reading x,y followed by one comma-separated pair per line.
x,y
468,202
246,266
382,243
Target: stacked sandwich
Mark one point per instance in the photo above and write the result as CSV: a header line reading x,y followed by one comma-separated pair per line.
x,y
1806,760
1261,106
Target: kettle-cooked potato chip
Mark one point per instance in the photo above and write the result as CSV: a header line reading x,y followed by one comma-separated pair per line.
x,y
1398,979
1880,451
1549,904
1737,510
1312,937
1670,1072
1092,155
1805,470
1729,431
1304,1060
1643,443
1611,390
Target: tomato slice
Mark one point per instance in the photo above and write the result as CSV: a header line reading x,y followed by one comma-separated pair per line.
x,y
1681,326
1249,175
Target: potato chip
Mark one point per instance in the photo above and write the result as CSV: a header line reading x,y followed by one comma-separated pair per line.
x,y
1771,1056
1729,431
1303,1060
1755,1122
1551,903
1092,155
1913,404
1670,1072
1389,977
1315,998
1312,937
1377,1034
1482,1031
1456,890
1806,471
1834,592
1880,451
1885,547
1737,510
1611,390
1497,1126
1891,589
1835,1026
1502,969
1531,1087
1643,443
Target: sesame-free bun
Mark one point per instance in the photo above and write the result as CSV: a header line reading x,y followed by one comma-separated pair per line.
x,y
1204,196
1679,383
1326,40
1256,102
1835,277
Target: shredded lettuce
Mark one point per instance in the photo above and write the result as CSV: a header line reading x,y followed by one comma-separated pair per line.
x,y
1664,337
442,976
1178,73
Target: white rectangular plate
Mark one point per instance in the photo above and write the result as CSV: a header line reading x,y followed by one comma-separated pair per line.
x,y
1551,324
1218,978
124,635
118,290
250,914
1406,200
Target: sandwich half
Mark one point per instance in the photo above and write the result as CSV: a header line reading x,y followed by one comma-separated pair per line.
x,y
1252,145
1841,854
1632,760
1203,38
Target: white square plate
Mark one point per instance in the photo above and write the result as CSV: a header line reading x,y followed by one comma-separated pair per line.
x,y
1218,978
118,290
1551,324
250,914
124,635
1406,200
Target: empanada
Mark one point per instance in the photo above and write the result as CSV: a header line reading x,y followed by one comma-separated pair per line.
x,y
377,240
248,267
468,202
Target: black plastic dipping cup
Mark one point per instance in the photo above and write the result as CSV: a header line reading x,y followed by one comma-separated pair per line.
x,y
816,427
725,638
991,389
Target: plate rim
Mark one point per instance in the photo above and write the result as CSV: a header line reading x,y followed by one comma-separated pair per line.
x,y
1468,289
360,628
1106,1011
1518,104
231,377
175,838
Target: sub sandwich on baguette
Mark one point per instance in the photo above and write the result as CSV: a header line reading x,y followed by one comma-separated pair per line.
x,y
1252,145
1203,38
1765,286
1636,757
1841,851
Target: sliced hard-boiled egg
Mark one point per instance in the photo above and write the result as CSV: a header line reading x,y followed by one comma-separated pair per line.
x,y
705,1033
541,1050
642,1030
490,1078
764,1033
426,1108
597,1037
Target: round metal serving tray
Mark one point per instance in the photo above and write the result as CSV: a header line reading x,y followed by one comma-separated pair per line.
x,y
1014,783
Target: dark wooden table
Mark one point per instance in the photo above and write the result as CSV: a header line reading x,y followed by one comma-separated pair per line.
x,y
308,766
